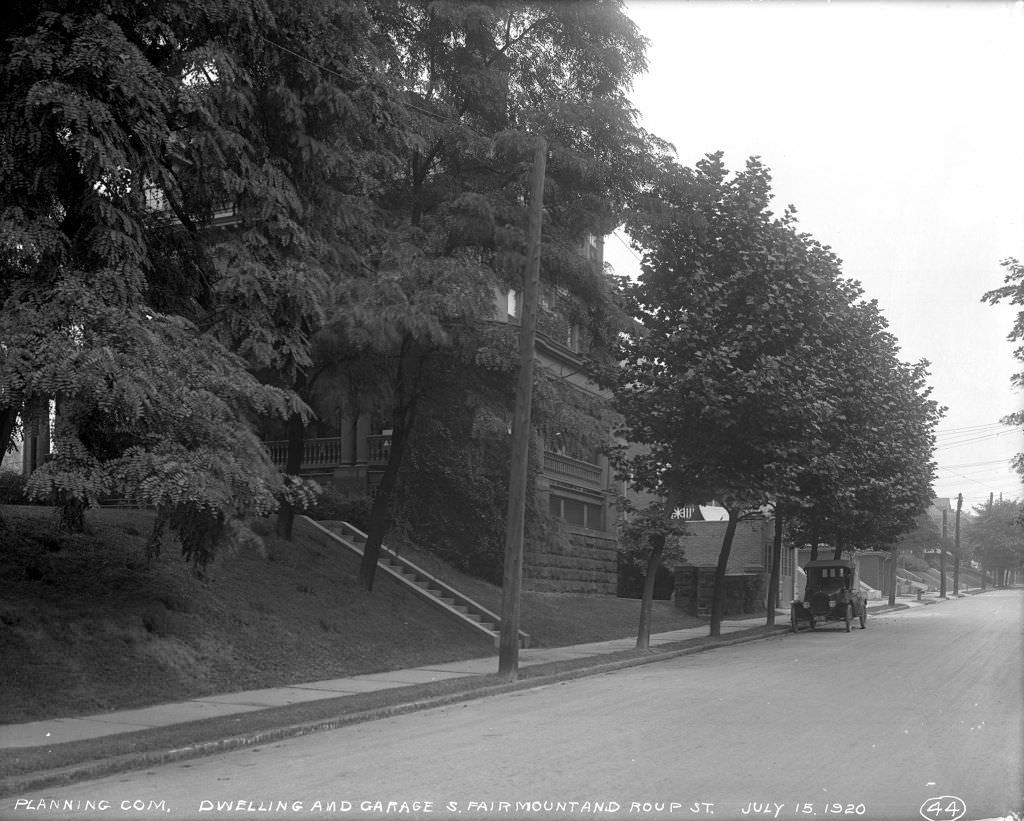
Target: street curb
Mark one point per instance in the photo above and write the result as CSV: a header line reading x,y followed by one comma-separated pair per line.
x,y
478,688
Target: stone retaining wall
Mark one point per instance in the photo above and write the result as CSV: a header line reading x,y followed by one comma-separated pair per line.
x,y
580,563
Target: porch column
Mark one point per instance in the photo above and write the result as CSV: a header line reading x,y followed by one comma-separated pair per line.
x,y
349,434
362,442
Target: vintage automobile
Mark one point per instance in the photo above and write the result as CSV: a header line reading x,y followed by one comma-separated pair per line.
x,y
831,594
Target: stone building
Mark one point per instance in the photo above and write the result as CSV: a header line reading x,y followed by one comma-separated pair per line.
x,y
575,485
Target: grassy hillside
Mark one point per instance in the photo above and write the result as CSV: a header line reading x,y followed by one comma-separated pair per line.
x,y
87,624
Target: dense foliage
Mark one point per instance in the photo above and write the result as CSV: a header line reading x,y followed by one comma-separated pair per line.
x,y
477,82
149,407
211,210
757,378
995,536
220,218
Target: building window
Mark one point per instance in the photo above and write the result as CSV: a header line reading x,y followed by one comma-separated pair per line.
x,y
568,443
513,303
572,338
577,512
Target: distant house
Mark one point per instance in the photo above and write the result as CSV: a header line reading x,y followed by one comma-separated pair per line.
x,y
941,513
748,572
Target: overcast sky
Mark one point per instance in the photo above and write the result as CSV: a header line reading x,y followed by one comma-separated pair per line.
x,y
896,131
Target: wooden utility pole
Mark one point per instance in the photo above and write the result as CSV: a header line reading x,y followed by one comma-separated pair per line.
x,y
942,556
894,556
981,562
773,579
508,646
956,547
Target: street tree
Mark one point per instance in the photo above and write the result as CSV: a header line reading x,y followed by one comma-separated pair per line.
x,y
759,378
720,395
876,474
477,81
647,537
995,534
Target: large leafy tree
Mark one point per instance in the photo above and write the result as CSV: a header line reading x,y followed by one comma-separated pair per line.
x,y
187,189
145,407
716,389
995,534
741,384
478,80
294,127
874,477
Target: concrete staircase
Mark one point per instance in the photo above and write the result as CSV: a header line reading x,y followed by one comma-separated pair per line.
x,y
420,582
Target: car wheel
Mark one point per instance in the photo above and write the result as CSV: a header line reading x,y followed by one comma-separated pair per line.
x,y
863,615
849,616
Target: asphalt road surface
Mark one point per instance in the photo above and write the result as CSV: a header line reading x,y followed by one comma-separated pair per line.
x,y
919,716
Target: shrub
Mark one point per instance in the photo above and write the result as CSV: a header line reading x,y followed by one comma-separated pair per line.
x,y
333,505
631,580
12,488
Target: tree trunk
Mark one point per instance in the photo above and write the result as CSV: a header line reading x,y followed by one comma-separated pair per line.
x,y
410,366
643,633
942,559
718,596
292,467
956,545
379,522
8,421
895,554
773,578
814,542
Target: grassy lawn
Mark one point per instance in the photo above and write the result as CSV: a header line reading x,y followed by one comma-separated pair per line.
x,y
87,624
555,619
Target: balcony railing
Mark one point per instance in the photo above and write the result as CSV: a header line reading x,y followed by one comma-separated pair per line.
x,y
327,452
580,472
380,449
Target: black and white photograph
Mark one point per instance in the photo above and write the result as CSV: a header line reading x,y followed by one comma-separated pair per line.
x,y
488,410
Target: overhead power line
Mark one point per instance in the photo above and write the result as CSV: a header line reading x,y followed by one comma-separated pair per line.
x,y
971,440
627,246
944,431
1005,461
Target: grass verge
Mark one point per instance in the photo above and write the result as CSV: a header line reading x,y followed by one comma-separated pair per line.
x,y
32,768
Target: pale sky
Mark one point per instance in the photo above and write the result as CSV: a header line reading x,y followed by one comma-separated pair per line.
x,y
896,131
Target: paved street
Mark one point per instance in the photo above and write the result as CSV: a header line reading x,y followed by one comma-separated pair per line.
x,y
925,703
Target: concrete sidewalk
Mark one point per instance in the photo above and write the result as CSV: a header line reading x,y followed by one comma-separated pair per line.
x,y
62,730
